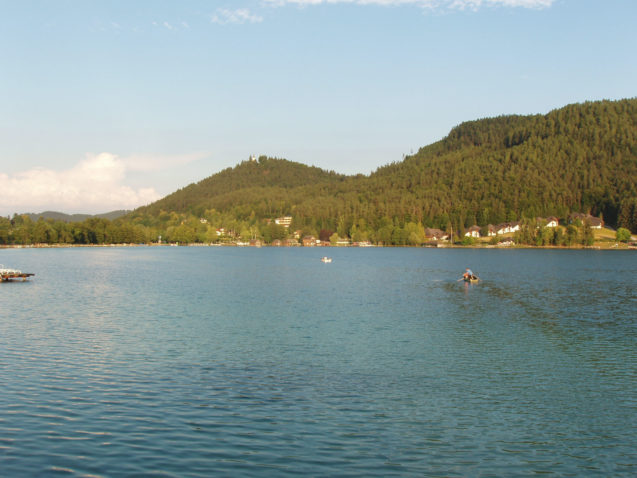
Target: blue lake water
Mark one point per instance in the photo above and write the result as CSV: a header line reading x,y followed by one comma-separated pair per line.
x,y
200,361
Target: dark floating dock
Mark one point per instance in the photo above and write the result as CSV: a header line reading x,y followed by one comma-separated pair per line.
x,y
13,274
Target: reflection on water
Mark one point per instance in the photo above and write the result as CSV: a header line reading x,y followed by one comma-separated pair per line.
x,y
193,361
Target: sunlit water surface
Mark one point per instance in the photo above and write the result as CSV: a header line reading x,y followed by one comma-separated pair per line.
x,y
266,362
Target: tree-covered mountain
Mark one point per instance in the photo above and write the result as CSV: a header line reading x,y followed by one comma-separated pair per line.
x,y
579,158
582,157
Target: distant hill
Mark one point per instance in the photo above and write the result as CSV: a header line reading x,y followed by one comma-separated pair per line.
x,y
60,216
264,181
582,157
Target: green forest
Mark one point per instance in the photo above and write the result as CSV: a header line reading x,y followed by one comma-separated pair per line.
x,y
580,158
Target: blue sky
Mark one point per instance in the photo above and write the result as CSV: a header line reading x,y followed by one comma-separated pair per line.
x,y
113,104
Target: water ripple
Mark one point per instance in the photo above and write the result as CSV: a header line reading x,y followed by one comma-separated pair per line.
x,y
262,363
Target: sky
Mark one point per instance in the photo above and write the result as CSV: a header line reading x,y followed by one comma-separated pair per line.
x,y
108,105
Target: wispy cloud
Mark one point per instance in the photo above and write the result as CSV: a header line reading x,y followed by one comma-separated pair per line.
x,y
171,26
428,4
224,16
95,184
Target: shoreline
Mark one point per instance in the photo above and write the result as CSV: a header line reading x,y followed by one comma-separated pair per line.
x,y
596,247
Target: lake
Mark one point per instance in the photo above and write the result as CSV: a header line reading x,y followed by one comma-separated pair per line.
x,y
200,361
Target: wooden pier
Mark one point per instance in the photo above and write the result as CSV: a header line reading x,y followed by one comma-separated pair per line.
x,y
14,274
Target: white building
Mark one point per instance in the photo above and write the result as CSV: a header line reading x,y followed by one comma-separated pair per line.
x,y
507,227
473,231
284,221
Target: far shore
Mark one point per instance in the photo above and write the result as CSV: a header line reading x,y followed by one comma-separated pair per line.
x,y
600,246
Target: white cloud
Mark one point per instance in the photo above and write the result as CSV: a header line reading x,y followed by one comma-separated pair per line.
x,y
430,4
224,16
94,185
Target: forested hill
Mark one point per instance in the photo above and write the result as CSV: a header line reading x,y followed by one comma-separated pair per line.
x,y
582,157
579,158
254,180
60,216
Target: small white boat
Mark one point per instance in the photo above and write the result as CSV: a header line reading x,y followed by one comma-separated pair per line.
x,y
326,259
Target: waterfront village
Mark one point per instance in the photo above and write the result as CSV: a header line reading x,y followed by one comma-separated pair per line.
x,y
500,235
576,230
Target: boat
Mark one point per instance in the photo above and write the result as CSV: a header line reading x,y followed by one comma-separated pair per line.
x,y
472,279
326,259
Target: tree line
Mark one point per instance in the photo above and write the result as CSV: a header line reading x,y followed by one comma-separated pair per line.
x,y
21,229
215,227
